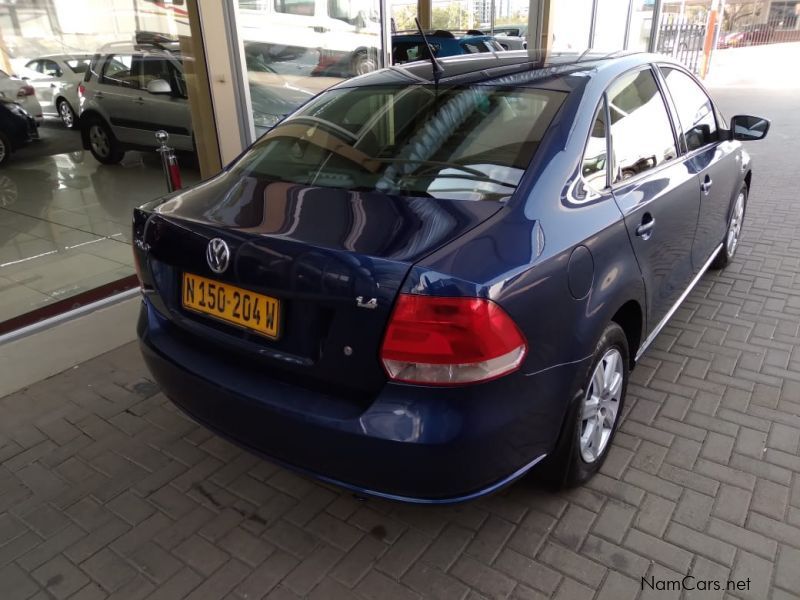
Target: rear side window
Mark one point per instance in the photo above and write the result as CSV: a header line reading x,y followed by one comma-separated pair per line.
x,y
695,110
94,68
404,52
295,7
594,166
51,69
474,47
641,132
467,142
118,70
78,65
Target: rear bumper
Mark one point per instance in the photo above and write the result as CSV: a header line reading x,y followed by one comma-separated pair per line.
x,y
411,444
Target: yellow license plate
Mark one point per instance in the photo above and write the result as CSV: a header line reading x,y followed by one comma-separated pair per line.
x,y
232,304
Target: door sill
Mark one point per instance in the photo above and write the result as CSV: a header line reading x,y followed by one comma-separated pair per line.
x,y
677,304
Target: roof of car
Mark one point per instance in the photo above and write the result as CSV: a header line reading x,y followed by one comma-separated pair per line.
x,y
149,49
70,56
526,67
433,36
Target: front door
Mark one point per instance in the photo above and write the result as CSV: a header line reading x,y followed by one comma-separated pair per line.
x,y
658,196
169,111
713,159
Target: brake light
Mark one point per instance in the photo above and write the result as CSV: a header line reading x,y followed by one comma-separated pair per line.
x,y
450,341
81,89
26,90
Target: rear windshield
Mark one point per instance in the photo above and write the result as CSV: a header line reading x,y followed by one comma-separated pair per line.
x,y
471,143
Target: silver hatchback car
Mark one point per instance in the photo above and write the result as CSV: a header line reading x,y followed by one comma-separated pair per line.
x,y
129,93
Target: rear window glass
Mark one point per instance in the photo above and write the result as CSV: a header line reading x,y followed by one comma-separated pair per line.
x,y
471,143
78,65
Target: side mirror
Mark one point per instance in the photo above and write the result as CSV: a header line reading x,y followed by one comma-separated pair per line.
x,y
159,86
748,128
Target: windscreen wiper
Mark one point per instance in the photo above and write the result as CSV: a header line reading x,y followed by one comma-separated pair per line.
x,y
467,172
431,163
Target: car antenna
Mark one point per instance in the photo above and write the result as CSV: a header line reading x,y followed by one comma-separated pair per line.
x,y
438,69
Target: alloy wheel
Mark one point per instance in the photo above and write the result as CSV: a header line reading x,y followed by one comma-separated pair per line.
x,y
8,191
735,228
3,150
98,138
601,406
67,116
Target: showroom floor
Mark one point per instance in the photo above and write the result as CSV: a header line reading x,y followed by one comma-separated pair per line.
x,y
65,219
106,490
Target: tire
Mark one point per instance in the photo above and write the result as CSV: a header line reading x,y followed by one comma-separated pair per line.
x,y
67,114
5,149
730,243
593,418
101,141
362,63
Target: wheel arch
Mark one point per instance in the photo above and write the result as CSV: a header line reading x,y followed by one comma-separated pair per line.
x,y
87,117
630,317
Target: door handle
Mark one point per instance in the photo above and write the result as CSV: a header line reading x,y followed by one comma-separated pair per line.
x,y
98,95
706,185
319,29
139,100
53,85
645,229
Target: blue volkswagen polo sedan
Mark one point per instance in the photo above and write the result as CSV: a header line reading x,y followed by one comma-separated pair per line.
x,y
429,279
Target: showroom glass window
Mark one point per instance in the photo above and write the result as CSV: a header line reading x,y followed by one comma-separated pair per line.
x,y
294,49
641,132
64,213
695,110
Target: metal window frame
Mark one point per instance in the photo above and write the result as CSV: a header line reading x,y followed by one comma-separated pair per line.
x,y
234,50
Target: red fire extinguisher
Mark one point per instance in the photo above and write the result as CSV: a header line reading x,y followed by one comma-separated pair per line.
x,y
172,171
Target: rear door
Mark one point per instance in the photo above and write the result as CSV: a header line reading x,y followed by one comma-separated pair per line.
x,y
41,83
658,196
47,84
117,88
713,159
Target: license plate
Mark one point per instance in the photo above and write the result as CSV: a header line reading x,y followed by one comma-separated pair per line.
x,y
232,304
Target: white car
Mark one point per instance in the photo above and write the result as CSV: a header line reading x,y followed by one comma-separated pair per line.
x,y
21,92
56,78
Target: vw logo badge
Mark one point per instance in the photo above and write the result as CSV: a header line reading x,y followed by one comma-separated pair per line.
x,y
218,255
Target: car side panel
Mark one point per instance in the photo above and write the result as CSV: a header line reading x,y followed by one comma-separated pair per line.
x,y
719,166
671,198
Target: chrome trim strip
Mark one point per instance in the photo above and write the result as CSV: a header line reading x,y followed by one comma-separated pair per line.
x,y
572,362
68,316
677,304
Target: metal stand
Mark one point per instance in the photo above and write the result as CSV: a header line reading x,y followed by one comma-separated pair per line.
x,y
169,162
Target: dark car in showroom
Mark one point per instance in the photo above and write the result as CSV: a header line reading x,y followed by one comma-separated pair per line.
x,y
429,279
17,128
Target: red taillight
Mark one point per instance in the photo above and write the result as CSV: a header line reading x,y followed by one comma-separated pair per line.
x,y
450,341
26,90
81,89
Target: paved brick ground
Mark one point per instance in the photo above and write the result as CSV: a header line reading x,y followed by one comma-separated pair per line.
x,y
107,491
